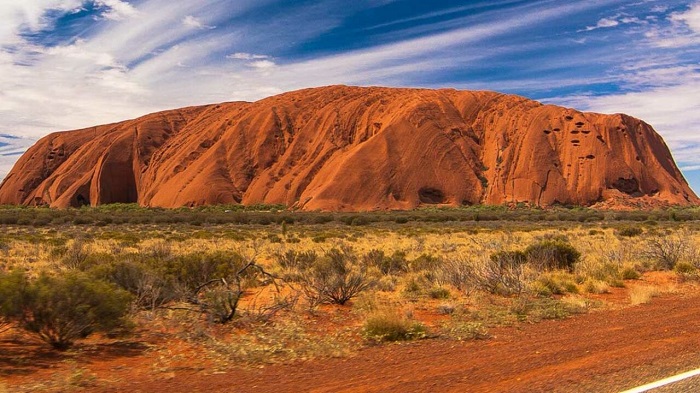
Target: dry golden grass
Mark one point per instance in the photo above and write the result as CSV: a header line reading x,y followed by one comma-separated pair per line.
x,y
642,294
427,295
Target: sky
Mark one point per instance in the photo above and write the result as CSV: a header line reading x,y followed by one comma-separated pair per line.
x,y
68,64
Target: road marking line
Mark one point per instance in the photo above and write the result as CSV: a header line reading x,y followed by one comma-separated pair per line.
x,y
663,382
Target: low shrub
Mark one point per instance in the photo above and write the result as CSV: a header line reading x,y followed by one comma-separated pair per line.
x,y
557,283
150,287
62,309
630,231
687,271
193,271
296,260
12,286
335,278
394,264
500,275
642,294
439,293
462,331
509,258
426,262
596,286
552,255
630,273
392,327
665,252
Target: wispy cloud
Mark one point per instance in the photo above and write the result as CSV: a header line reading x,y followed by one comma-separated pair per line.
x,y
116,9
246,56
690,18
603,23
117,59
195,23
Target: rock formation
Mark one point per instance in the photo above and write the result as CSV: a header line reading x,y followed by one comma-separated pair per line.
x,y
353,148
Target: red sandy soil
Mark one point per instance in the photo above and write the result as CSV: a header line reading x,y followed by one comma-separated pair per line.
x,y
605,351
353,148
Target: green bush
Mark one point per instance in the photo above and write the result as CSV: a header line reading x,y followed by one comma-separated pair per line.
x,y
557,283
192,271
439,293
12,286
394,264
426,262
392,327
150,287
552,255
630,231
629,273
62,309
685,268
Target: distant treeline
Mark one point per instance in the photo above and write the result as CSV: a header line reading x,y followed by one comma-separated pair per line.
x,y
117,214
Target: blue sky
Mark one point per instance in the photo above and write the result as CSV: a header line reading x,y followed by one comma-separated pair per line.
x,y
66,64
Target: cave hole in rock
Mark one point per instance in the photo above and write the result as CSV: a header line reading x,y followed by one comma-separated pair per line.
x,y
628,186
81,200
431,195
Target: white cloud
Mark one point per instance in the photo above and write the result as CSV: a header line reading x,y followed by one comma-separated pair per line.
x,y
116,9
682,29
690,18
136,65
262,64
30,15
246,56
668,109
603,23
614,21
195,23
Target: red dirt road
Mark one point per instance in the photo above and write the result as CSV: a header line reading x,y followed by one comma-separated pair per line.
x,y
606,351
603,352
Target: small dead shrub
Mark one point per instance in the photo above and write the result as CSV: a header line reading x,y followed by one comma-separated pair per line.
x,y
335,278
502,275
667,251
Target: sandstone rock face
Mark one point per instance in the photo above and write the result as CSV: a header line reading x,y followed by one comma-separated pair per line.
x,y
352,148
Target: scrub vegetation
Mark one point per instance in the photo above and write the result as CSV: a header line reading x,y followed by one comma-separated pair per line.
x,y
265,285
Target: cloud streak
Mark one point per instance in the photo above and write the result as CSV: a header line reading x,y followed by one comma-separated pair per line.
x,y
109,60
